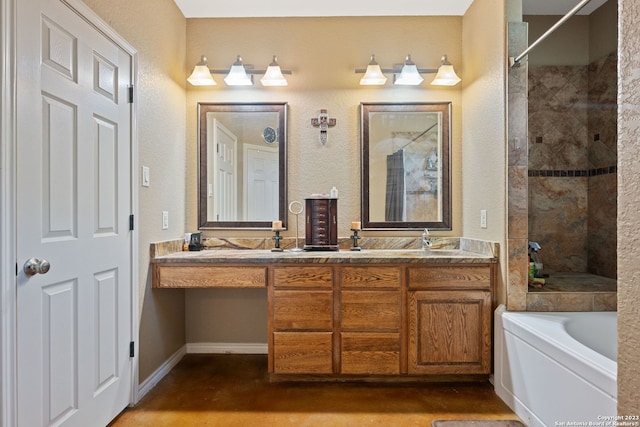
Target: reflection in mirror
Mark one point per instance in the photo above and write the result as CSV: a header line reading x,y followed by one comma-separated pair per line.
x,y
242,165
406,173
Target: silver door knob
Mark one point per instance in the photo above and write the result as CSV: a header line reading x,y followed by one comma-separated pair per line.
x,y
36,266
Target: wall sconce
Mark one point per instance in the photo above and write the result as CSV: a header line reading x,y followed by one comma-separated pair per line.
x,y
239,74
408,73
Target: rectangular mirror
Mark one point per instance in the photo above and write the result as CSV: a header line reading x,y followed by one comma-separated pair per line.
x,y
406,165
242,173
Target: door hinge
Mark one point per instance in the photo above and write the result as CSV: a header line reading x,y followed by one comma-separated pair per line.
x,y
132,347
16,268
130,94
131,222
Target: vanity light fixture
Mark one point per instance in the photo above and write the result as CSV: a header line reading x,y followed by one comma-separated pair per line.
x,y
201,75
273,76
373,76
446,75
239,74
408,73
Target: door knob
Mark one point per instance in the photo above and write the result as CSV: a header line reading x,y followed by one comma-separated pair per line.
x,y
36,266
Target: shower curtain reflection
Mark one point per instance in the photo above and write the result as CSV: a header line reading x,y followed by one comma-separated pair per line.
x,y
394,204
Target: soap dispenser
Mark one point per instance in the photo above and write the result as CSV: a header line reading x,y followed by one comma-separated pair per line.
x,y
334,192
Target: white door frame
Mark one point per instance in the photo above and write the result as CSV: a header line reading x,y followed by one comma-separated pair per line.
x,y
8,203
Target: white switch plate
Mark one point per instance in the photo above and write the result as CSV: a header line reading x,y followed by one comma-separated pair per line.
x,y
145,176
483,218
165,220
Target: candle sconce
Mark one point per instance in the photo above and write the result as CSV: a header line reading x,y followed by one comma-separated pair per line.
x,y
355,238
277,239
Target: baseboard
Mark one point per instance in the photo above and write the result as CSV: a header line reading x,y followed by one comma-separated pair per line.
x,y
227,348
152,380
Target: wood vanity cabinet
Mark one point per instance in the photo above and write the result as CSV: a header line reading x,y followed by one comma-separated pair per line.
x,y
450,309
370,320
301,320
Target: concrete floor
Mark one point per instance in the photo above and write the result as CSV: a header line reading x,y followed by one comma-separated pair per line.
x,y
234,390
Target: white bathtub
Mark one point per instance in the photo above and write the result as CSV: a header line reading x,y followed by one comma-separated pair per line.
x,y
557,368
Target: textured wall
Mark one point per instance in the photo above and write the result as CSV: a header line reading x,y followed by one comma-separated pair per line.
x,y
484,163
629,208
323,65
160,104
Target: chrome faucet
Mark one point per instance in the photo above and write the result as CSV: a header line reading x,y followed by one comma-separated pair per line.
x,y
426,240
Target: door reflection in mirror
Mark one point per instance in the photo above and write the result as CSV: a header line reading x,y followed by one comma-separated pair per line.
x,y
242,165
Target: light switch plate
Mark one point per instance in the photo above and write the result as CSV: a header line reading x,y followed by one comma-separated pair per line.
x,y
145,176
483,218
165,220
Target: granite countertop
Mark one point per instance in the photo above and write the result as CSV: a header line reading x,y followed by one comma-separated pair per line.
x,y
366,256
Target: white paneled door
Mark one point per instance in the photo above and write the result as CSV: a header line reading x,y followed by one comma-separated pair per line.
x,y
74,202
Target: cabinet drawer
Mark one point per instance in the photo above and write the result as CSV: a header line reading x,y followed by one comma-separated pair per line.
x,y
371,277
302,310
303,277
183,276
467,277
302,352
370,310
370,353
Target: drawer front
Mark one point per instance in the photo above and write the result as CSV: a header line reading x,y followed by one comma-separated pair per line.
x,y
467,277
182,276
303,277
371,277
370,353
302,310
370,310
302,353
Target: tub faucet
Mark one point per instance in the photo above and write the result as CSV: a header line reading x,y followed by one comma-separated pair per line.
x,y
426,240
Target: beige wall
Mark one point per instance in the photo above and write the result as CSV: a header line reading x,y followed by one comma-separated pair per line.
x,y
323,54
579,41
323,63
484,126
628,208
160,104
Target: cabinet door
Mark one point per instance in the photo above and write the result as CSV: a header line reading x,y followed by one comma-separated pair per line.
x,y
450,332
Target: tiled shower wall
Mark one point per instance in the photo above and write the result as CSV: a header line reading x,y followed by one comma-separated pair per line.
x,y
572,165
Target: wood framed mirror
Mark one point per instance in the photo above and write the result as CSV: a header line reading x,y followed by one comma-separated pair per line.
x,y
406,166
242,165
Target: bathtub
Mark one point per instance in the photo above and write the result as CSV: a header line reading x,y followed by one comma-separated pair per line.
x,y
557,369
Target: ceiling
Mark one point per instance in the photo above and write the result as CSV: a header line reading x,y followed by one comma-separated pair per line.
x,y
282,8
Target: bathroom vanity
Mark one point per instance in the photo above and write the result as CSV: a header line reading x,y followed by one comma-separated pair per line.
x,y
376,314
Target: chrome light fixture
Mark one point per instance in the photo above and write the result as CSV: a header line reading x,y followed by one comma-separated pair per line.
x,y
201,75
373,76
273,76
408,73
446,75
240,74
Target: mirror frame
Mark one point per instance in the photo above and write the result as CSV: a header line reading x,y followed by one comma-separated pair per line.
x,y
444,108
208,107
